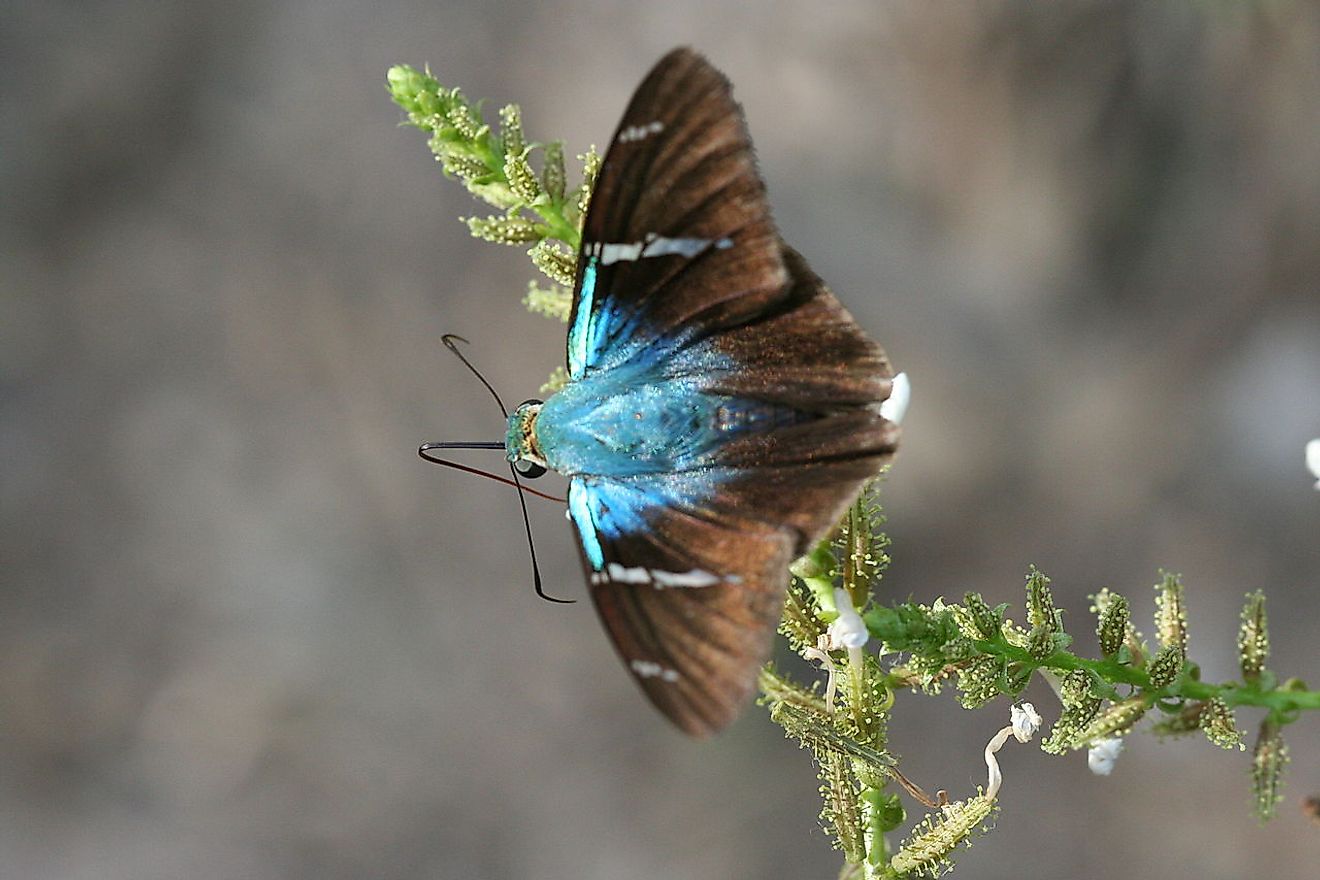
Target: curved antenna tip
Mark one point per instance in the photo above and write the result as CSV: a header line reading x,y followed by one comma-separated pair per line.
x,y
448,340
547,597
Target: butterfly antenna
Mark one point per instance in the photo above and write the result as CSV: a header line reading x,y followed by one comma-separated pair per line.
x,y
531,546
425,448
449,340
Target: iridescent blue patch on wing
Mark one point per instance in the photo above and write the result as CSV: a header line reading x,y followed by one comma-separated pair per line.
x,y
579,511
606,509
597,325
582,336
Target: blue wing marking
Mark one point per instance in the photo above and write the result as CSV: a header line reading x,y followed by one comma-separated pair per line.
x,y
583,335
579,511
592,321
608,509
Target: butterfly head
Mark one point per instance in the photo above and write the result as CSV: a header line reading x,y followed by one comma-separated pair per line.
x,y
520,443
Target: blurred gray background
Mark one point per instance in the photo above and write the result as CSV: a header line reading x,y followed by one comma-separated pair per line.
x,y
245,633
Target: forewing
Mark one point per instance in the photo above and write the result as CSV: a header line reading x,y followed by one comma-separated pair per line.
x,y
678,240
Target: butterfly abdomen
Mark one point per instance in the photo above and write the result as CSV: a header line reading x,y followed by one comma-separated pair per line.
x,y
736,416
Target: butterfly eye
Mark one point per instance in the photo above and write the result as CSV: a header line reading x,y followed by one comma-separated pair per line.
x,y
528,469
525,468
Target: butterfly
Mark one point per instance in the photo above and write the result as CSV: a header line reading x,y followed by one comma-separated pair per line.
x,y
722,408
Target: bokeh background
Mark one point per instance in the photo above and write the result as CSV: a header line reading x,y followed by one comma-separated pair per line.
x,y
245,633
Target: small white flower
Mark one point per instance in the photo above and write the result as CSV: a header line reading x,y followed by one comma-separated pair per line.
x,y
1312,459
1103,754
848,630
1026,721
896,404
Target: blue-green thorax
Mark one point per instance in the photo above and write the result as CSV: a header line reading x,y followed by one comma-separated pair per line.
x,y
623,422
615,429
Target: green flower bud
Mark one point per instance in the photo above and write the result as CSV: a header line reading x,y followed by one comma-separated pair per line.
x,y
841,813
1253,637
1043,617
815,563
1268,760
1079,710
1171,613
522,179
409,89
1219,725
979,681
511,131
463,117
505,230
553,176
460,165
776,688
1113,623
1165,666
1113,721
590,168
934,839
1040,600
555,263
553,301
976,618
798,623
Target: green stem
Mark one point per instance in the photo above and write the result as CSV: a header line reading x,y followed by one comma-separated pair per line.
x,y
551,214
560,228
1234,693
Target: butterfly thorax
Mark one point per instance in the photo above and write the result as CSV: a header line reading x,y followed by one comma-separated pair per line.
x,y
619,426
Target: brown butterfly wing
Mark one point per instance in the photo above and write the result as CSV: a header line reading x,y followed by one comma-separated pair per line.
x,y
694,651
690,590
680,168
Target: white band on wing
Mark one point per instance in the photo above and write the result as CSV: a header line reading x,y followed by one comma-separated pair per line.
x,y
695,578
